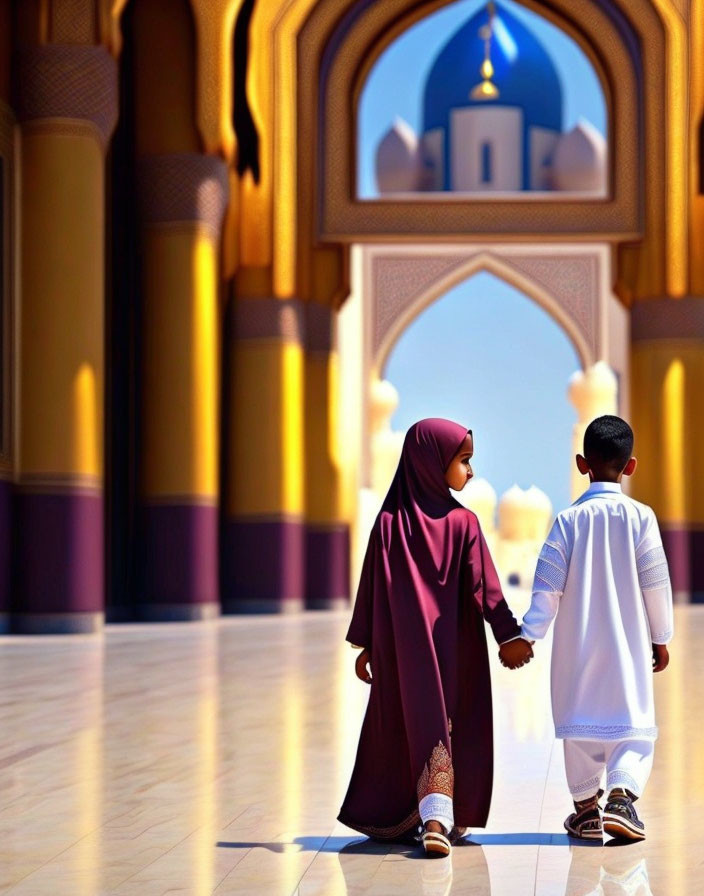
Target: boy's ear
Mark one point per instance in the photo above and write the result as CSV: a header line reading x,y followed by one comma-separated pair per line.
x,y
630,467
582,464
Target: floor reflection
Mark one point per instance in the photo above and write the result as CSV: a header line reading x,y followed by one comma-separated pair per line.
x,y
613,869
400,869
622,871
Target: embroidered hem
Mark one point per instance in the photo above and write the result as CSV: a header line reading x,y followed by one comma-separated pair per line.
x,y
604,732
408,825
437,807
618,778
661,638
589,786
438,776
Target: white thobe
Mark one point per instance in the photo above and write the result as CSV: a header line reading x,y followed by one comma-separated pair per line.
x,y
602,576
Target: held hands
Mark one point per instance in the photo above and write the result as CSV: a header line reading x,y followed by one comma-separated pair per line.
x,y
363,661
661,657
516,653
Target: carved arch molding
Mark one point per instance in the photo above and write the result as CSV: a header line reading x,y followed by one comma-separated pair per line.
x,y
569,282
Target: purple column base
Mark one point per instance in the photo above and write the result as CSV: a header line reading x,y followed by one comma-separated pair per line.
x,y
58,562
5,548
178,566
327,567
685,556
262,566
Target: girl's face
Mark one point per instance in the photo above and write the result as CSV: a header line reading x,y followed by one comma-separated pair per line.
x,y
459,472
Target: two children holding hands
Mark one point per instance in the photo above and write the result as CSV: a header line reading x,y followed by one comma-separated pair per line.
x,y
424,764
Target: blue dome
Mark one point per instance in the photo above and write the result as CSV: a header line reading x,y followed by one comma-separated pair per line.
x,y
523,73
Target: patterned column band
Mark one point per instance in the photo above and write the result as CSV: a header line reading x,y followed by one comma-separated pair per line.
x,y
68,81
183,187
657,319
288,320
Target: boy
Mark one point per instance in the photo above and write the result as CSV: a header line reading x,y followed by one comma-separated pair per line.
x,y
604,568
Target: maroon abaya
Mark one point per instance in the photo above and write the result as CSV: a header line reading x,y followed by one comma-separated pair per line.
x,y
427,585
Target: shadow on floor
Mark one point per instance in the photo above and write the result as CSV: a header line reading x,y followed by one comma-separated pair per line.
x,y
303,844
374,847
524,838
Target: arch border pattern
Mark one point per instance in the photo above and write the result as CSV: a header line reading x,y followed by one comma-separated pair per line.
x,y
570,282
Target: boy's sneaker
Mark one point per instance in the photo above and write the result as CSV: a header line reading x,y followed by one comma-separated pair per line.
x,y
620,817
585,821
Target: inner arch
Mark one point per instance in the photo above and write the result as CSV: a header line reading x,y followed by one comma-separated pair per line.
x,y
492,359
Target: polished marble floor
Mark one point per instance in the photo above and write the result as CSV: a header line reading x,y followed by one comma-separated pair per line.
x,y
211,758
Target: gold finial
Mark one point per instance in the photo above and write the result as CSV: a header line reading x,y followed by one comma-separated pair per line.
x,y
486,90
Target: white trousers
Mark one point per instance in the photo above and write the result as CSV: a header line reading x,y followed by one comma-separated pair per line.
x,y
437,807
627,764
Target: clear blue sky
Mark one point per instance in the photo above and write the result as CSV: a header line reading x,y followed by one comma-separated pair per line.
x,y
484,354
492,359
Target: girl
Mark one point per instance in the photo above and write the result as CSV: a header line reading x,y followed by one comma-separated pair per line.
x,y
426,751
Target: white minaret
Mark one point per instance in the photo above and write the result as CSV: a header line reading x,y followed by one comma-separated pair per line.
x,y
398,163
579,160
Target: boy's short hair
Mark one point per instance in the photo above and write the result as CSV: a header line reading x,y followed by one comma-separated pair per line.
x,y
608,440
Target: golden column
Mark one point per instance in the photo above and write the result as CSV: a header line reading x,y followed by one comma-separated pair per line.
x,y
667,375
667,321
285,544
67,105
7,127
264,532
182,198
285,537
182,195
327,569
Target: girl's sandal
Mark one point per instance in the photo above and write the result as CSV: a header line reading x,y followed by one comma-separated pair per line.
x,y
435,844
585,825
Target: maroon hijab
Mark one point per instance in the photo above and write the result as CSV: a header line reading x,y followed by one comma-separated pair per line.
x,y
419,486
426,585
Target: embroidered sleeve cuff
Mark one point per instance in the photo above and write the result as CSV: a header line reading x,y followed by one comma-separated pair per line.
x,y
662,638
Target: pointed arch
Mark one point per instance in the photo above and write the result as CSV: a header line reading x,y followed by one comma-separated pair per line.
x,y
503,270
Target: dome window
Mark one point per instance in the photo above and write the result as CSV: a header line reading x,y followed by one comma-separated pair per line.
x,y
486,160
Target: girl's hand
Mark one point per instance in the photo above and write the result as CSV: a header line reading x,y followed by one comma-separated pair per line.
x,y
360,667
